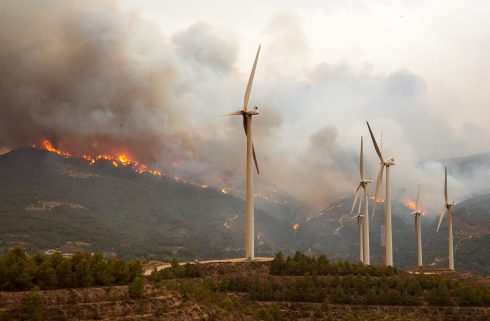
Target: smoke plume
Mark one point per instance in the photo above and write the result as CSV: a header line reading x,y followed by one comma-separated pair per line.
x,y
94,77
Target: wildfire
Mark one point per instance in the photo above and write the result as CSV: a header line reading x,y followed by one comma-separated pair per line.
x,y
118,160
124,160
410,204
378,200
46,144
295,226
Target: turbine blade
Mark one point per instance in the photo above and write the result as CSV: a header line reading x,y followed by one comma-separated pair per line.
x,y
360,204
440,218
375,144
379,179
253,147
445,183
250,81
361,162
244,123
355,198
417,200
255,159
234,113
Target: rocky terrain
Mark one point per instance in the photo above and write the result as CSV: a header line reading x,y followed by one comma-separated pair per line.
x,y
186,299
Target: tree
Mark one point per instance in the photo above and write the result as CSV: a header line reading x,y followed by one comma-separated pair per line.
x,y
136,288
34,306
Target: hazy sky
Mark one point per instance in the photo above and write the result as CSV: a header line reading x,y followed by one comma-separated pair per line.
x,y
444,42
413,68
153,77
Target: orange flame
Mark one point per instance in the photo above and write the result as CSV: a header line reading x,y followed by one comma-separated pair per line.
x,y
378,200
121,159
295,226
410,204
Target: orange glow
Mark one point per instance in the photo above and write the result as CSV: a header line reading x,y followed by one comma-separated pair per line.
x,y
295,226
204,186
225,190
410,204
121,159
378,200
46,144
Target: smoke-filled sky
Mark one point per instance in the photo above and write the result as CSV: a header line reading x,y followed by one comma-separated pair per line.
x,y
152,78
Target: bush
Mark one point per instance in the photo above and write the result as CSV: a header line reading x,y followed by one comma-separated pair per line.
x,y
20,272
299,264
34,306
137,288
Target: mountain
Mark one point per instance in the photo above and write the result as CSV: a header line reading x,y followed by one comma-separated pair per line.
x,y
51,202
467,165
335,232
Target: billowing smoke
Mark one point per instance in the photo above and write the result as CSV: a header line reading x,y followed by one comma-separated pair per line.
x,y
96,78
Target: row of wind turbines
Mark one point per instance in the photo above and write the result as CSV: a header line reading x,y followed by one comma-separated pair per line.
x,y
363,219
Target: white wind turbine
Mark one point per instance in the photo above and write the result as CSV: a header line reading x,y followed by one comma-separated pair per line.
x,y
362,220
418,228
247,114
448,207
384,164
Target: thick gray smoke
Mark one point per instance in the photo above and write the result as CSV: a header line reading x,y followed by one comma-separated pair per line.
x,y
95,78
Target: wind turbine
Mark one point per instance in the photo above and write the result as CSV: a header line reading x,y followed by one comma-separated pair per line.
x,y
247,114
362,220
418,227
448,207
384,164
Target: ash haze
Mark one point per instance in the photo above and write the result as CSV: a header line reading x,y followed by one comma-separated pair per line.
x,y
152,78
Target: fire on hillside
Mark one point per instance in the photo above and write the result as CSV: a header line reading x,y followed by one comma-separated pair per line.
x,y
125,160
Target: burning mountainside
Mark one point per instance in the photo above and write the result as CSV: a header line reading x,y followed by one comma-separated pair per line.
x,y
124,160
116,160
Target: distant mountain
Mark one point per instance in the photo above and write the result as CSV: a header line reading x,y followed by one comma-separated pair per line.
x,y
51,202
467,165
335,232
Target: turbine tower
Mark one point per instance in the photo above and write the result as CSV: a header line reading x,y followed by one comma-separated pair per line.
x,y
448,207
247,114
418,228
384,164
362,220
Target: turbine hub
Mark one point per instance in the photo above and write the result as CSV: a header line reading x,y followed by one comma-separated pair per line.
x,y
389,162
252,112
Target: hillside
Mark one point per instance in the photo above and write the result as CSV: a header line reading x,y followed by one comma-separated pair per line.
x,y
336,234
294,288
51,202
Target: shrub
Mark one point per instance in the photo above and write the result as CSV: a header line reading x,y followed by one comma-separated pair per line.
x,y
34,306
137,288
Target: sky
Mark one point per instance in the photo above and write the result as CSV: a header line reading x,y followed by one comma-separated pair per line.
x,y
153,78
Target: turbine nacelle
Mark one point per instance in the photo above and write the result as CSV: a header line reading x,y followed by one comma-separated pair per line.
x,y
389,162
251,112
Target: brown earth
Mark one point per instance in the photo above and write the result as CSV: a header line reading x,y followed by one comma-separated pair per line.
x,y
114,303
